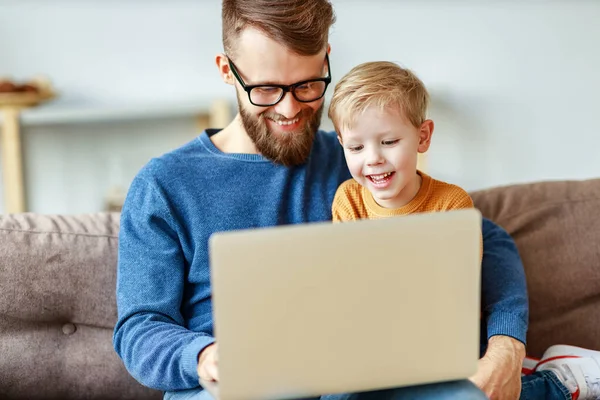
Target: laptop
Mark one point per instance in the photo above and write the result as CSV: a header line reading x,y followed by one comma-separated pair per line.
x,y
322,308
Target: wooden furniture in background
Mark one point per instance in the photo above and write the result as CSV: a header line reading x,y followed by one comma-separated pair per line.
x,y
12,165
15,113
11,105
218,117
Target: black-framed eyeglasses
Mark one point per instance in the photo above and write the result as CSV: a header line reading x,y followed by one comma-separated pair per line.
x,y
268,95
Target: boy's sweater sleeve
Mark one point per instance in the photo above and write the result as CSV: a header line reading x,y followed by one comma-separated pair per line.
x,y
504,290
150,336
340,209
345,198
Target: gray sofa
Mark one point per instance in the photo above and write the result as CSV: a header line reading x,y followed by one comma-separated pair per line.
x,y
57,309
57,283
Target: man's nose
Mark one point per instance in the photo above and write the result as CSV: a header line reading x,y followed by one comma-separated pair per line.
x,y
289,107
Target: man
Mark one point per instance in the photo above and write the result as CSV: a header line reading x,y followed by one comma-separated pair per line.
x,y
270,166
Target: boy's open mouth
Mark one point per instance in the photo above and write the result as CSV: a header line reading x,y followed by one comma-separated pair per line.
x,y
381,178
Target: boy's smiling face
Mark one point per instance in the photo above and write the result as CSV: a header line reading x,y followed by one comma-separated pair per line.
x,y
381,152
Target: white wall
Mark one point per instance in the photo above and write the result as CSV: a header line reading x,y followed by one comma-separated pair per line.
x,y
514,84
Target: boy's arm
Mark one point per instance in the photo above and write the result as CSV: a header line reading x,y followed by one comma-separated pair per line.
x,y
458,199
341,209
150,334
338,214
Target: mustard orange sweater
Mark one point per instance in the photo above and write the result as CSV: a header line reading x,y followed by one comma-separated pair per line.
x,y
353,202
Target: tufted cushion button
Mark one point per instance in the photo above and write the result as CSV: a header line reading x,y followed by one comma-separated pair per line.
x,y
69,329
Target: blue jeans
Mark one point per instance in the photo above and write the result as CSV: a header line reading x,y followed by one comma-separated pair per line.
x,y
542,385
463,390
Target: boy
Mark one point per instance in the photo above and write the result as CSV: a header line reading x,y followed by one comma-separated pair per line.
x,y
379,111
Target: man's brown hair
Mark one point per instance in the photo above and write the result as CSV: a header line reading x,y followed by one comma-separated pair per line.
x,y
300,25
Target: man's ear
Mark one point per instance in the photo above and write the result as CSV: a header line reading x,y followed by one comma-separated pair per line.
x,y
224,70
425,133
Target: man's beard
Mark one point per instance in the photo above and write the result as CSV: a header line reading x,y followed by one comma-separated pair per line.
x,y
289,148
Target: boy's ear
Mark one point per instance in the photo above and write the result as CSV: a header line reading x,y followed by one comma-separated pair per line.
x,y
224,70
425,133
340,139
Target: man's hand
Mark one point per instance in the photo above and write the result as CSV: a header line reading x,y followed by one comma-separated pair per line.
x,y
499,371
208,364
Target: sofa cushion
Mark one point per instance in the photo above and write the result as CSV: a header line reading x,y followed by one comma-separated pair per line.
x,y
58,309
556,226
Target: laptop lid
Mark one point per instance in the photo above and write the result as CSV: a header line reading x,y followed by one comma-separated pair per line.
x,y
324,308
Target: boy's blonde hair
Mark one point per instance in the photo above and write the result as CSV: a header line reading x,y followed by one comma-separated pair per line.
x,y
382,84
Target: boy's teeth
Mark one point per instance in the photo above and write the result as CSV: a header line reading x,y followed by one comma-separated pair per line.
x,y
382,176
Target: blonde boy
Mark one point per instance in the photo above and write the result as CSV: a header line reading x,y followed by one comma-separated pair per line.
x,y
379,112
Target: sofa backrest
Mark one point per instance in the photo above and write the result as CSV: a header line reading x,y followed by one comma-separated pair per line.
x,y
57,288
556,226
57,309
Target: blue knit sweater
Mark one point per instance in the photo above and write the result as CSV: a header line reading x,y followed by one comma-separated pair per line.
x,y
178,200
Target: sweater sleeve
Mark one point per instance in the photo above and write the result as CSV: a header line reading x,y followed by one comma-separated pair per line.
x,y
459,199
504,290
341,209
150,334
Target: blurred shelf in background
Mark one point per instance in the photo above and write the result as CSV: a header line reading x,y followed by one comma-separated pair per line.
x,y
65,112
214,114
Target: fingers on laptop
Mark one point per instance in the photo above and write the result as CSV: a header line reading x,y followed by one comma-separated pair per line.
x,y
208,364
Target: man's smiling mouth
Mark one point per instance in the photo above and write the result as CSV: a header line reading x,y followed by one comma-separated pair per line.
x,y
285,123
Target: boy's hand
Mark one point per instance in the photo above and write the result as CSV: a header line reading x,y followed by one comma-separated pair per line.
x,y
499,371
208,364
